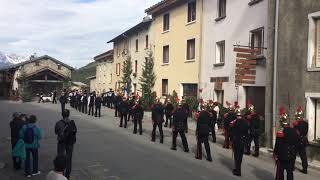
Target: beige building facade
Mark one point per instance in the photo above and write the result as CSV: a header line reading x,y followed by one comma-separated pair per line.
x,y
176,29
104,72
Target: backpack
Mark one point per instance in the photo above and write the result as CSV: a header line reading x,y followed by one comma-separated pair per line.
x,y
29,135
67,134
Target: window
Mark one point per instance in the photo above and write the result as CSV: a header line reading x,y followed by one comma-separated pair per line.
x,y
137,45
147,41
164,87
118,50
191,49
166,22
316,58
190,90
192,11
317,120
135,66
222,4
256,40
165,54
220,52
59,66
37,63
118,69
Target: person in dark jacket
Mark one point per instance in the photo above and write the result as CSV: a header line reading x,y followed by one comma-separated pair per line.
x,y
98,103
84,101
213,121
79,100
63,100
54,97
254,131
91,102
239,133
131,104
285,149
228,117
202,133
179,128
186,108
124,108
138,113
157,116
302,127
66,131
116,101
15,126
169,112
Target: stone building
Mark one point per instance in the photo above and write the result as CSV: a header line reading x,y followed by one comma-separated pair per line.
x,y
104,63
44,74
134,43
293,65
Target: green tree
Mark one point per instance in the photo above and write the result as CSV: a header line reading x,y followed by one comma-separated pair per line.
x,y
127,71
147,81
24,89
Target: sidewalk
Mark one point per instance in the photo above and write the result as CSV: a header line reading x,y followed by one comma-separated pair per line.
x,y
220,139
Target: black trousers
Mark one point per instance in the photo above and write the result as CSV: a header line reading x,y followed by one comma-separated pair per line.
x,y
183,139
238,151
213,133
80,107
137,121
186,125
91,110
41,100
255,139
98,111
35,161
168,119
84,108
285,166
130,115
124,117
205,140
54,100
63,105
153,135
303,156
66,149
116,112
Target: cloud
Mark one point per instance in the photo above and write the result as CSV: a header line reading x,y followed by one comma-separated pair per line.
x,y
73,31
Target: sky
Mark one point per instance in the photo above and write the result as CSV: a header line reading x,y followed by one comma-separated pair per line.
x,y
72,31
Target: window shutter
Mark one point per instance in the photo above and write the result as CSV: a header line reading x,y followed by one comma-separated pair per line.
x,y
318,44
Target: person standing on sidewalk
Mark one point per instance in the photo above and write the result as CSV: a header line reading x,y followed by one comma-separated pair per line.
x,y
124,110
302,127
186,108
168,111
239,134
254,130
178,128
31,136
15,126
228,117
98,103
66,131
138,113
59,167
157,116
202,133
91,102
285,149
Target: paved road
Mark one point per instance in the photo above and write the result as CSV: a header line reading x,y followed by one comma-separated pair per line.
x,y
106,152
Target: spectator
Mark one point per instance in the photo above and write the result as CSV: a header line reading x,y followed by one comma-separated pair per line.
x,y
66,131
59,168
31,135
15,125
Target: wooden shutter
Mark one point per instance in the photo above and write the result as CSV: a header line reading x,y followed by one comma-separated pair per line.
x,y
317,62
317,120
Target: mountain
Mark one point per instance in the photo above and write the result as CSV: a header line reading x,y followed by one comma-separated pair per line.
x,y
8,59
81,74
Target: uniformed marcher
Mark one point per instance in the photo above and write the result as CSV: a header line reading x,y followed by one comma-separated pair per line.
x,y
131,104
54,97
302,126
98,103
254,130
285,150
79,97
178,127
63,100
124,111
116,101
228,117
138,112
84,101
168,112
186,108
91,102
213,120
157,116
202,133
239,134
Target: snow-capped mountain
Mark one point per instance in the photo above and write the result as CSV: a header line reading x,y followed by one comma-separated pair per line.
x,y
8,59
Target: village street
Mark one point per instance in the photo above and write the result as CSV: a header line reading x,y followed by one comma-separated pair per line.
x,y
104,151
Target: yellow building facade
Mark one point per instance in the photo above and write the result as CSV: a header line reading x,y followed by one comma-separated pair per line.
x,y
176,29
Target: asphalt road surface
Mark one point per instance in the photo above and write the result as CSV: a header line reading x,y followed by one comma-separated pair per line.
x,y
106,152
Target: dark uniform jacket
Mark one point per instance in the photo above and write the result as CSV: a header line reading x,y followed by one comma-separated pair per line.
x,y
229,117
239,131
116,100
124,107
302,127
186,107
98,102
91,100
286,145
85,99
213,117
63,99
254,123
157,113
169,109
203,123
138,111
179,117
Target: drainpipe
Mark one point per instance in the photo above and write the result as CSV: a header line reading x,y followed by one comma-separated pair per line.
x,y
275,61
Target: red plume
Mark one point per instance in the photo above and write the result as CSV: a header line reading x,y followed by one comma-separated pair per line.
x,y
299,109
177,99
282,111
249,103
236,104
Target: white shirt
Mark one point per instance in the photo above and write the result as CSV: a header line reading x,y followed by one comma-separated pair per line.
x,y
52,175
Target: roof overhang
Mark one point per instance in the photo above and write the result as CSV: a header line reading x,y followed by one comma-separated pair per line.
x,y
163,6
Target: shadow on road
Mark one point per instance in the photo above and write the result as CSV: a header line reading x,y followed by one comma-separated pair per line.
x,y
262,174
226,161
